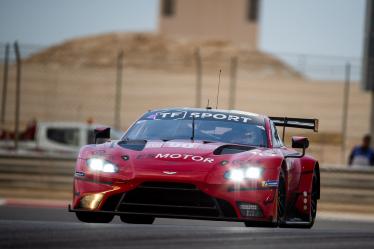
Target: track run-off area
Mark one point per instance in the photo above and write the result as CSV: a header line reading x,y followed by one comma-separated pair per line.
x,y
55,227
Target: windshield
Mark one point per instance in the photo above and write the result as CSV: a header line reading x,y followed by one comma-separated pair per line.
x,y
213,127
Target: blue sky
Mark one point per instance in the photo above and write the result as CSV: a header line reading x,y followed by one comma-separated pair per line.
x,y
317,27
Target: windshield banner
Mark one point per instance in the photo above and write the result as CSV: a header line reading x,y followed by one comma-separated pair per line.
x,y
209,115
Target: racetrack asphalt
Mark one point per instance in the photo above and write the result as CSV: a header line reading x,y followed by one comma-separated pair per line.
x,y
36,227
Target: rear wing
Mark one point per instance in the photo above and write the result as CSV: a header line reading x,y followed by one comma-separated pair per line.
x,y
302,123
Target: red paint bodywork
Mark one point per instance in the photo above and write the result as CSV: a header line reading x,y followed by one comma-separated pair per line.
x,y
143,166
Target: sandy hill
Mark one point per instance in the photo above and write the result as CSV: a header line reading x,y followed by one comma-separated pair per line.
x,y
149,50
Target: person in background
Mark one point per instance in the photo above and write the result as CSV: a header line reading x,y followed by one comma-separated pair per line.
x,y
362,155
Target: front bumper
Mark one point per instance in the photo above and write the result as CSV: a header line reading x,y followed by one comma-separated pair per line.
x,y
178,200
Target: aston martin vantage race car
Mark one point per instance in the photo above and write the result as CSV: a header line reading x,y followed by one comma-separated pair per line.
x,y
195,163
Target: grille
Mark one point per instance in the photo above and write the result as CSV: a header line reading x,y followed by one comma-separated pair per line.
x,y
111,203
174,199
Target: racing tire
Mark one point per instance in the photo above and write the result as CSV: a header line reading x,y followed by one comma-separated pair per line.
x,y
309,221
313,200
281,199
137,219
281,206
94,217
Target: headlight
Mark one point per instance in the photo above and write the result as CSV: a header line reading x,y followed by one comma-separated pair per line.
x,y
238,175
101,165
253,173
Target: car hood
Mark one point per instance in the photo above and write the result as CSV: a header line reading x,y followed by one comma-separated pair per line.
x,y
164,160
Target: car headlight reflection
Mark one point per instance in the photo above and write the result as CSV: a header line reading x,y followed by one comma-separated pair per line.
x,y
101,165
239,175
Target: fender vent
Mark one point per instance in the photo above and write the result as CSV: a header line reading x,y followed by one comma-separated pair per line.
x,y
137,145
231,149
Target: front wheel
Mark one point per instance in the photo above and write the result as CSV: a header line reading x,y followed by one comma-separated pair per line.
x,y
94,217
281,206
137,219
308,220
281,199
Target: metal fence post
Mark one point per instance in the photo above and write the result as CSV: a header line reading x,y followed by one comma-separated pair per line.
x,y
233,73
5,84
198,78
18,94
345,110
118,89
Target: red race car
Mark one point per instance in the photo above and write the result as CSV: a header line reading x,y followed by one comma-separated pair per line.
x,y
199,164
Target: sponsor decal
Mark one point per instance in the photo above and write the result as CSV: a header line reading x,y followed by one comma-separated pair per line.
x,y
185,157
79,174
171,115
171,145
270,183
175,115
180,145
152,144
194,158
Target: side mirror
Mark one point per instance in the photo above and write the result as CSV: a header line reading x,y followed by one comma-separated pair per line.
x,y
102,134
300,142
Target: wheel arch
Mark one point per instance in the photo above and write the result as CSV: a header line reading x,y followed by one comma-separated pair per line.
x,y
317,170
